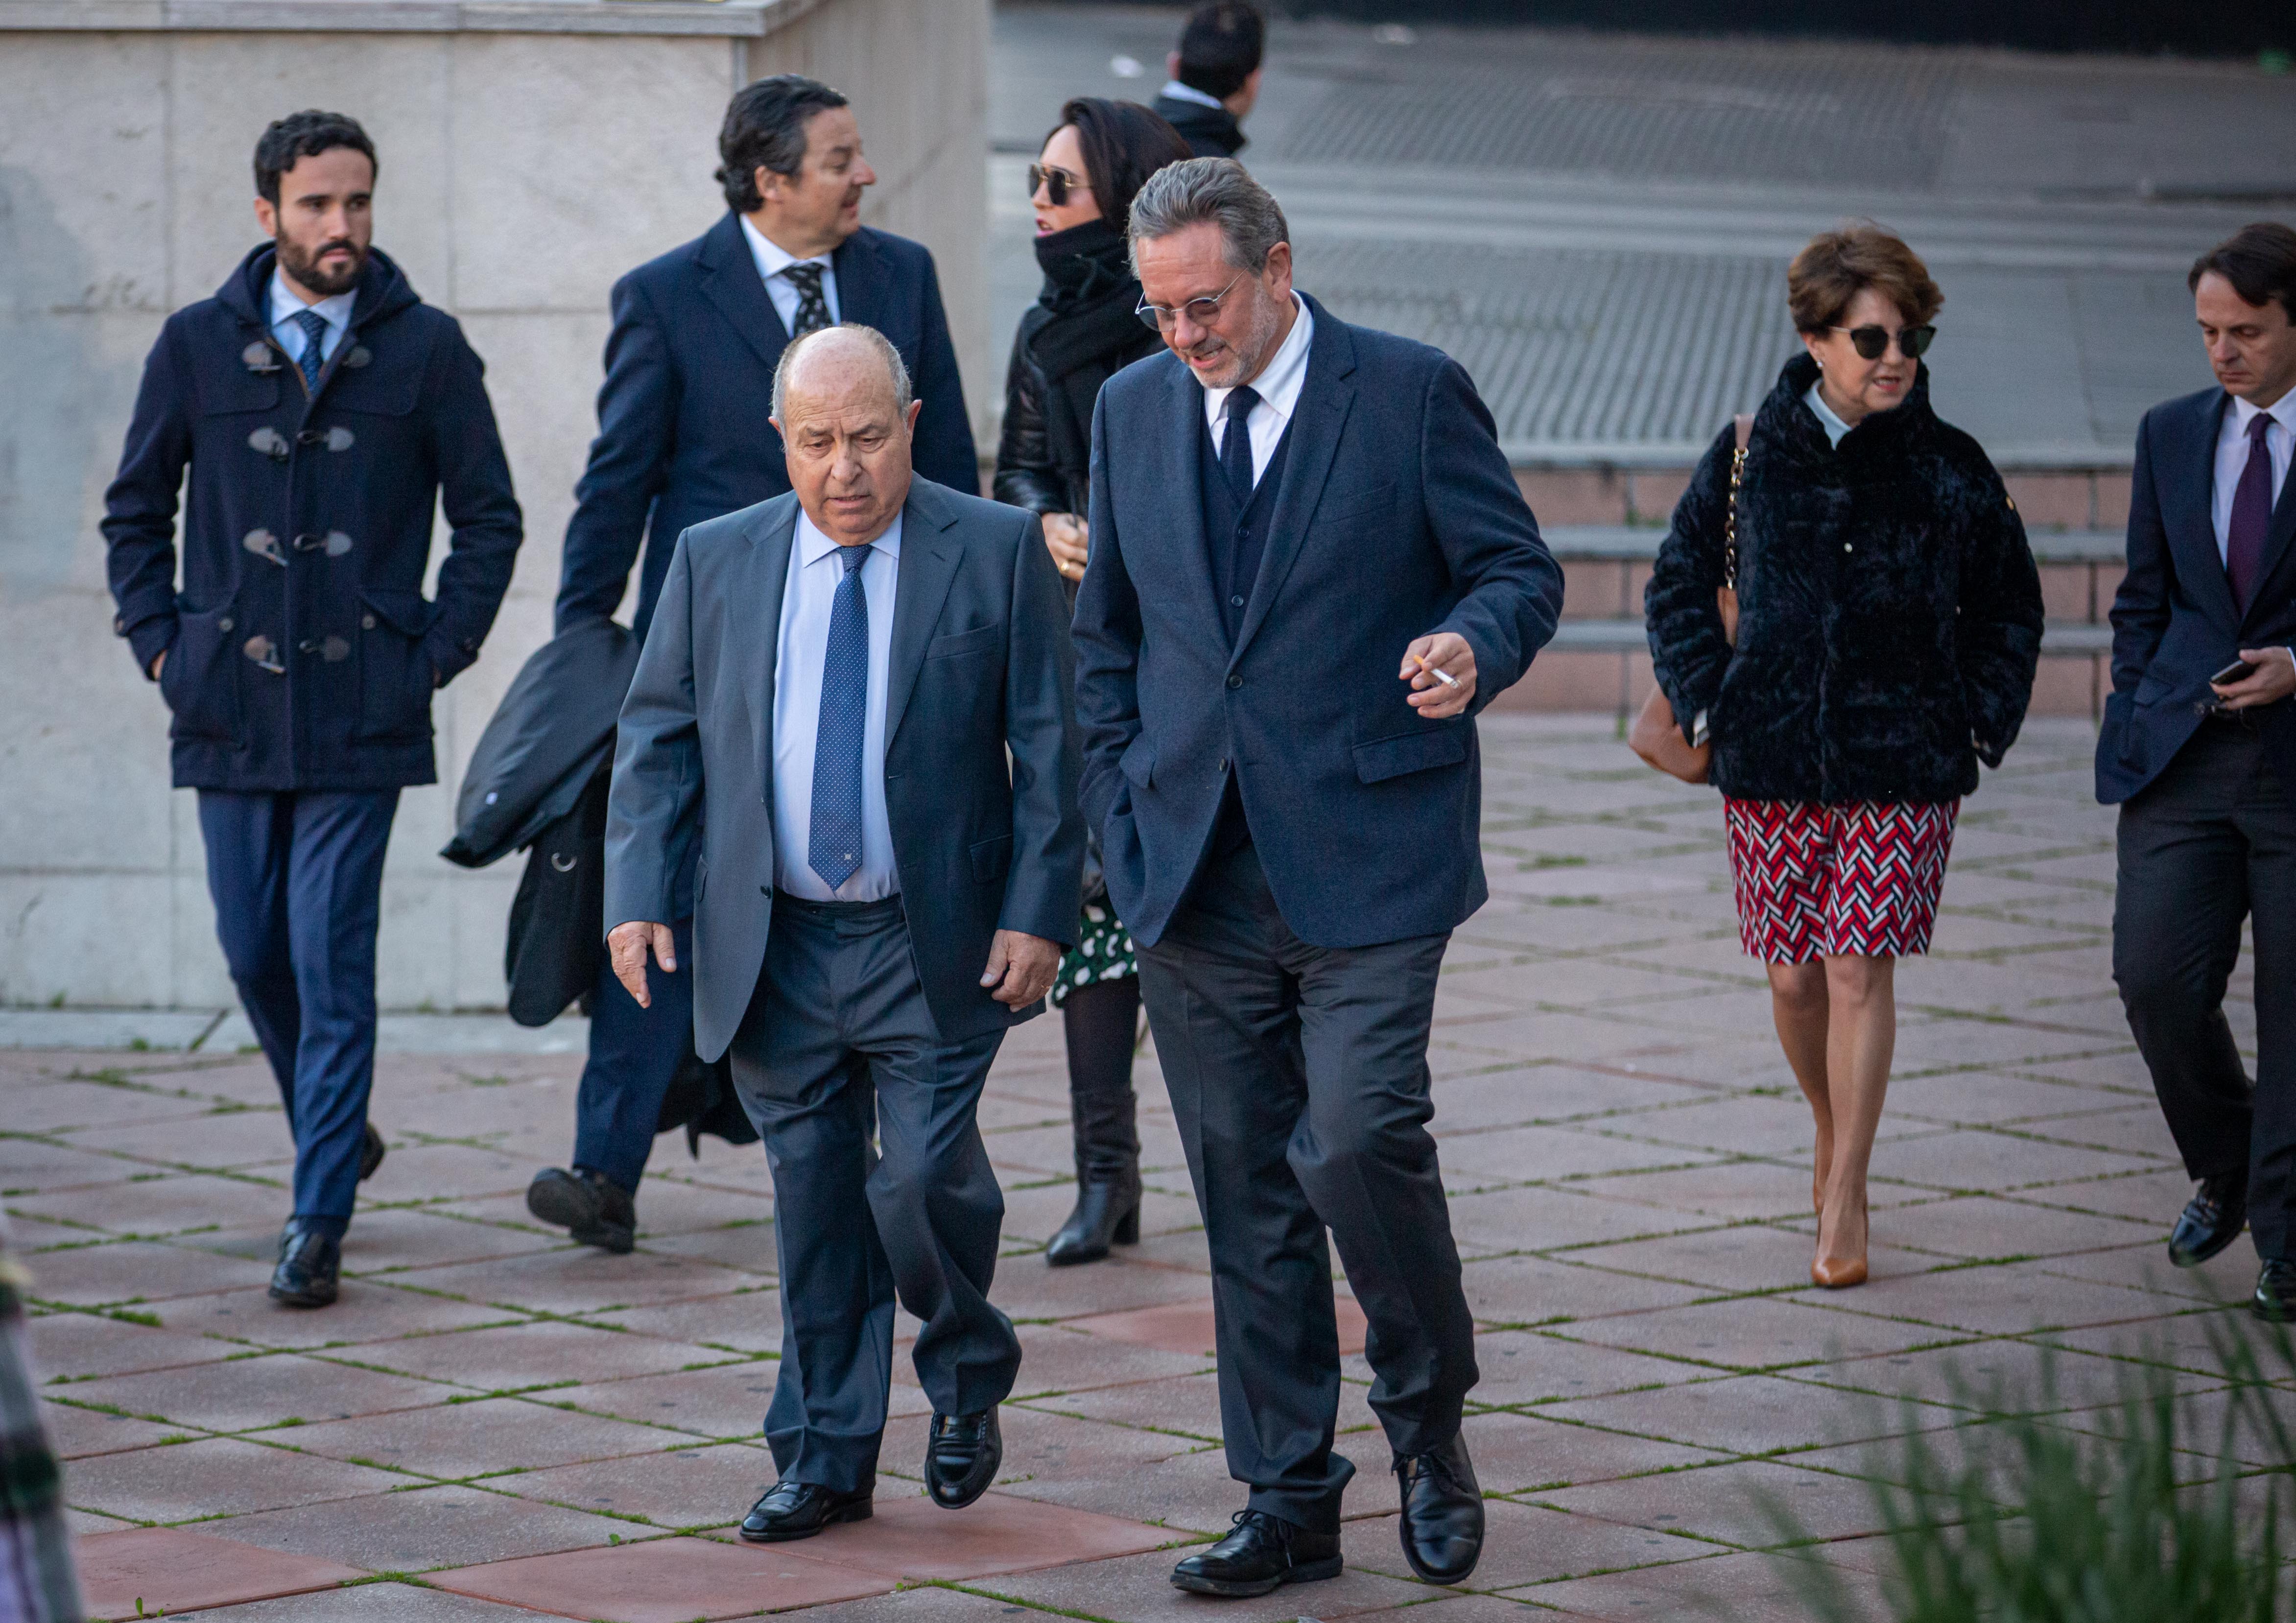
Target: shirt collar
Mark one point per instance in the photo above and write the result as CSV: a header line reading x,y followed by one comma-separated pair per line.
x,y
1189,92
1827,418
2282,411
1279,382
813,547
772,257
335,311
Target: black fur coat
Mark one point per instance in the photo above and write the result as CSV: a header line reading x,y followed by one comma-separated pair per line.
x,y
1889,612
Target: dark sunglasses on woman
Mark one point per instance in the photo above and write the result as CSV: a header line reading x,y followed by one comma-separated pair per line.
x,y
1871,343
1056,183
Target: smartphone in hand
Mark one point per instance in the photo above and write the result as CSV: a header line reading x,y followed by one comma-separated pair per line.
x,y
2239,670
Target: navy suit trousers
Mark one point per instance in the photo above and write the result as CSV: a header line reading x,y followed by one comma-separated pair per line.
x,y
634,1055
840,1015
297,879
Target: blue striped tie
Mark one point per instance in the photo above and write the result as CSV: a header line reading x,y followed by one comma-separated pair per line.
x,y
314,359
833,851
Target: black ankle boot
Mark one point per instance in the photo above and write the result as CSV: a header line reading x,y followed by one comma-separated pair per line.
x,y
1106,1211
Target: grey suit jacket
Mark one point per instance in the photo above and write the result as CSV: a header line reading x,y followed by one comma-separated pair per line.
x,y
981,664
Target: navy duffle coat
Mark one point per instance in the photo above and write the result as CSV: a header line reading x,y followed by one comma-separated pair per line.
x,y
301,652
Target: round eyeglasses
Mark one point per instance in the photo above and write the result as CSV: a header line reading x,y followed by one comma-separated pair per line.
x,y
1200,311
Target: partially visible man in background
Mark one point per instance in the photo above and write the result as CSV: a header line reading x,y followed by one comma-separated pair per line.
x,y
683,437
1215,77
2198,750
324,412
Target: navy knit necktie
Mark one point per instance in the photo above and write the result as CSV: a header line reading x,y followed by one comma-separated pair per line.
x,y
2251,514
1235,441
314,359
812,304
833,851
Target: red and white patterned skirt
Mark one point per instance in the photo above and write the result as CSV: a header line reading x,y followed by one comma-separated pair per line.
x,y
1856,879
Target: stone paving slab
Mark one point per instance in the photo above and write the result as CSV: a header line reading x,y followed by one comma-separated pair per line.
x,y
524,1427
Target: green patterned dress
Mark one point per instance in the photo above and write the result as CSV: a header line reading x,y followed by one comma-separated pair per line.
x,y
1103,952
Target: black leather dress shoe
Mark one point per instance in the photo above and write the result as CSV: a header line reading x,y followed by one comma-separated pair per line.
x,y
1442,1519
2276,1291
800,1510
1263,1554
962,1455
309,1265
590,1206
2211,1221
1106,1212
371,1153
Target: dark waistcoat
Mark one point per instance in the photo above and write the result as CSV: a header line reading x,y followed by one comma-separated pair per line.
x,y
1237,538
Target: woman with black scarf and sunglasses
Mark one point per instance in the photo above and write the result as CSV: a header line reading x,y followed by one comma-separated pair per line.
x,y
1889,619
1082,331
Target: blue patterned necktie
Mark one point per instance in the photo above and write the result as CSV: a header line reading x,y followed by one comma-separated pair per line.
x,y
314,358
1236,442
833,851
811,302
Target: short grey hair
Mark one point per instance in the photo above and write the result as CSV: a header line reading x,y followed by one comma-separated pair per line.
x,y
875,341
1218,190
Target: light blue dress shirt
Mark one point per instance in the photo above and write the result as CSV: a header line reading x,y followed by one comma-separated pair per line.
x,y
799,652
772,260
336,312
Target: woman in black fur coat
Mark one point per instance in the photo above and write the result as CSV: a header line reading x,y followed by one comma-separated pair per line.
x,y
1891,621
1082,330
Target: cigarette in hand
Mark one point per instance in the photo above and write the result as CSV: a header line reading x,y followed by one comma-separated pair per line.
x,y
1437,671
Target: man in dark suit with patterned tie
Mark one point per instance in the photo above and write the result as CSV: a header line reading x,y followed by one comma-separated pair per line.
x,y
2198,750
1310,567
855,702
683,437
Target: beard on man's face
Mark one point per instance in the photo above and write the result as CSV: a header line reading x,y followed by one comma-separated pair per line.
x,y
323,276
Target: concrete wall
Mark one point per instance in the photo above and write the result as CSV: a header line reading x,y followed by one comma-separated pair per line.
x,y
530,156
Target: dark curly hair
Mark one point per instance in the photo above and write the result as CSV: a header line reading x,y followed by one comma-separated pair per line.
x,y
765,128
304,135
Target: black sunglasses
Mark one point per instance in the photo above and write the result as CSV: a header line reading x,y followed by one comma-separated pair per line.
x,y
1871,343
1056,183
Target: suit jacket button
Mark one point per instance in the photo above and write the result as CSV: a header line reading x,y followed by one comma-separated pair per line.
x,y
1235,681
366,622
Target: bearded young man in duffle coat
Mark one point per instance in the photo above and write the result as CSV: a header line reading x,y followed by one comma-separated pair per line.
x,y
323,410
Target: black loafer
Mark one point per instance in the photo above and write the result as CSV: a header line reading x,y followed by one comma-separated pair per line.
x,y
962,1455
1442,1519
371,1153
800,1510
2276,1291
588,1205
309,1266
1263,1554
2211,1221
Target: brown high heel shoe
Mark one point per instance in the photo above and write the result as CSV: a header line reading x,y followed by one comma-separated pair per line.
x,y
1840,1273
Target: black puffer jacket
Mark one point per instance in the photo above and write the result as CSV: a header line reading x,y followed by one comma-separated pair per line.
x,y
1889,612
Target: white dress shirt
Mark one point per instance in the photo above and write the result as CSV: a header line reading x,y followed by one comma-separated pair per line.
x,y
285,306
1189,92
2232,456
1278,386
772,260
811,590
1832,424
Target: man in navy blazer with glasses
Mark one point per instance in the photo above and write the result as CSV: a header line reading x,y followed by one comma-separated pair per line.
x,y
1310,567
683,437
2198,750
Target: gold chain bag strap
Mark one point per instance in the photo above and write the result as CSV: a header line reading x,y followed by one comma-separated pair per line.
x,y
1655,736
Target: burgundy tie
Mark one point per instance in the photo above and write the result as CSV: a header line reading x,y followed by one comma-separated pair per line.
x,y
2251,514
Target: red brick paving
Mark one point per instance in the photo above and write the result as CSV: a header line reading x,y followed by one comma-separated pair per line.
x,y
1619,1134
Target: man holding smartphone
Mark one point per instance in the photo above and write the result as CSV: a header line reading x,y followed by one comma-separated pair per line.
x,y
2198,750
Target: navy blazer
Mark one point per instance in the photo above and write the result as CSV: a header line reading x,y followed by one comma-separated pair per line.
x,y
1397,516
2174,624
684,433
980,667
301,652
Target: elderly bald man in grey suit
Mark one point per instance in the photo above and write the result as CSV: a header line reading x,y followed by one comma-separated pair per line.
x,y
829,691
